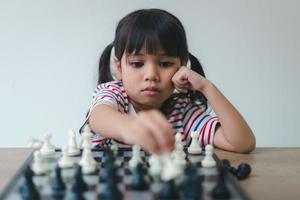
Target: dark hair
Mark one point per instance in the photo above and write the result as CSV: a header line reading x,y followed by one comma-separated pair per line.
x,y
154,29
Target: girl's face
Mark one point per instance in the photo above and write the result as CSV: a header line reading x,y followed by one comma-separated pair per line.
x,y
147,78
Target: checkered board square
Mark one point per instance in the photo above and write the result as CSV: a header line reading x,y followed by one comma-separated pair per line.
x,y
96,185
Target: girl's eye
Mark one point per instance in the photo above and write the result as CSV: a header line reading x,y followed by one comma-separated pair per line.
x,y
136,64
166,64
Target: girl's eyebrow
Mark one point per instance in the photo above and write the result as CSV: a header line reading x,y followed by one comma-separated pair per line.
x,y
142,54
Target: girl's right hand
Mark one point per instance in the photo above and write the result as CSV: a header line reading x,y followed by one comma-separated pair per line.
x,y
152,131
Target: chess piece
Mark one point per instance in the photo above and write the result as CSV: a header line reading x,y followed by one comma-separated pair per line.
x,y
78,184
38,165
243,171
138,180
86,138
58,186
208,160
114,149
110,168
220,191
136,157
73,149
65,161
169,190
178,151
192,187
47,149
170,169
194,147
87,161
28,190
112,191
155,167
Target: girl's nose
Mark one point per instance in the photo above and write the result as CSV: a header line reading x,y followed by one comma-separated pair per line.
x,y
151,73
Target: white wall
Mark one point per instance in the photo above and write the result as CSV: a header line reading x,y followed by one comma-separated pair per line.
x,y
49,52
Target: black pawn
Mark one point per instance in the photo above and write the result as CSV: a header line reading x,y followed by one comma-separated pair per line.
x,y
192,187
27,189
138,180
58,186
79,185
243,171
109,167
112,191
169,190
220,191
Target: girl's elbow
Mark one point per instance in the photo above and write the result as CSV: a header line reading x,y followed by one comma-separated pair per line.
x,y
248,147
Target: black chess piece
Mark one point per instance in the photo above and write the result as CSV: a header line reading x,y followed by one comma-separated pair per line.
x,y
112,191
220,191
243,171
78,184
192,184
28,190
110,167
138,180
58,186
225,164
169,191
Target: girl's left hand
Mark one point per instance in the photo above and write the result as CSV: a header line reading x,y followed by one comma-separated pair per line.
x,y
186,79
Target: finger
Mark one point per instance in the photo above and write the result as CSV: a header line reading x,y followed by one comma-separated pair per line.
x,y
161,129
147,140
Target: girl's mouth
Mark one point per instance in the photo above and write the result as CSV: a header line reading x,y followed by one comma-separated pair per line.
x,y
150,91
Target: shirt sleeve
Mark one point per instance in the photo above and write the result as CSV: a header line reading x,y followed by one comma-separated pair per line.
x,y
110,94
196,118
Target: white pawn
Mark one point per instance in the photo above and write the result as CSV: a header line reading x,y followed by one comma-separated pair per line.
x,y
136,157
65,161
38,166
114,149
155,167
208,160
47,149
87,161
86,138
194,147
73,149
178,151
170,170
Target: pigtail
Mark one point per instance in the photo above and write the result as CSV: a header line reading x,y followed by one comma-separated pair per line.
x,y
196,96
104,65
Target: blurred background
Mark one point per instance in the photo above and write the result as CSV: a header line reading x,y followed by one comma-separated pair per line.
x,y
49,52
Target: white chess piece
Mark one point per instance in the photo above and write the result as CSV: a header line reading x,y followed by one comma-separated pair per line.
x,y
65,161
155,167
178,151
114,149
87,161
73,149
170,170
86,138
194,147
47,149
38,166
136,157
208,160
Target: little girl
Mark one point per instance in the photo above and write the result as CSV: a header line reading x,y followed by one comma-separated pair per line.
x,y
156,88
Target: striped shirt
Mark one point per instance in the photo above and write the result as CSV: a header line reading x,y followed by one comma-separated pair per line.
x,y
185,116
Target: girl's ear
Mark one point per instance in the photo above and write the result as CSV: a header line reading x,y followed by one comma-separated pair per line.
x,y
118,70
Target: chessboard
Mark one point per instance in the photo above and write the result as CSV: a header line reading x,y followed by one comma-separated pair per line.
x,y
208,179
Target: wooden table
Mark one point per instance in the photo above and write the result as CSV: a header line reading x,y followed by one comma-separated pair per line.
x,y
275,171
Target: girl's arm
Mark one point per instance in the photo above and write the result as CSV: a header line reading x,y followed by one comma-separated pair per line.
x,y
234,134
150,129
